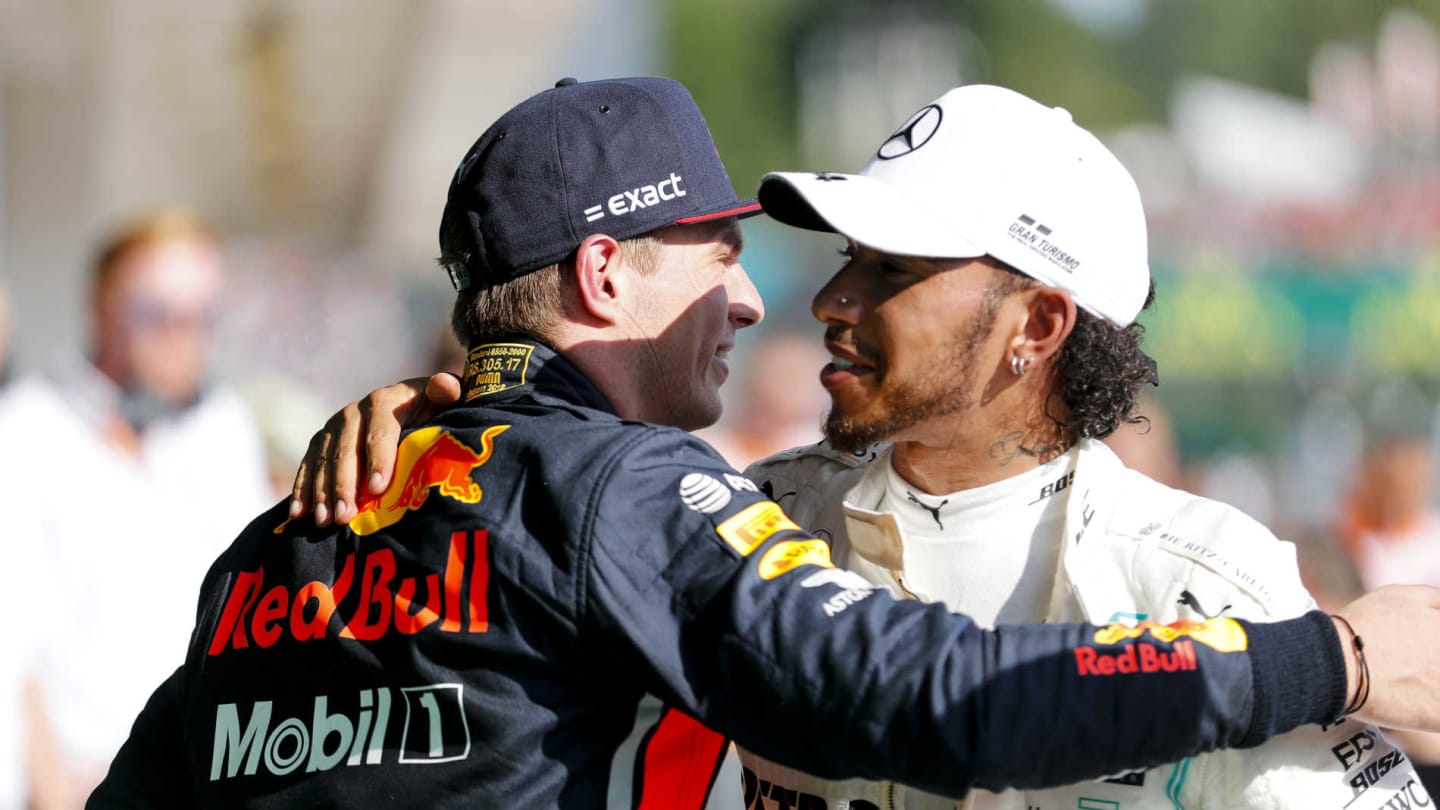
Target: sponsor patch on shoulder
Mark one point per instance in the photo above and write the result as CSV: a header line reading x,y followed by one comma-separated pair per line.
x,y
1225,635
751,526
853,588
494,367
792,554
704,494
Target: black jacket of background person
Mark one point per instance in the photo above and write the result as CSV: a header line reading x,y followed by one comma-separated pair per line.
x,y
548,594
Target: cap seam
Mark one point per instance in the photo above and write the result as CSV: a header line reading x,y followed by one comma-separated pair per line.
x,y
560,162
668,122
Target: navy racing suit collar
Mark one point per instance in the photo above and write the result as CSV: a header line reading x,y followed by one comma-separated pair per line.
x,y
519,367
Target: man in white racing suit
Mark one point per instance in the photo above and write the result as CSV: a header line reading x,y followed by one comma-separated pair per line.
x,y
1118,547
984,325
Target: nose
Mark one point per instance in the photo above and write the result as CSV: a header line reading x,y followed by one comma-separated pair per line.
x,y
837,301
746,307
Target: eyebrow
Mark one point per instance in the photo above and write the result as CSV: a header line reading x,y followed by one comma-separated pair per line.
x,y
731,235
928,263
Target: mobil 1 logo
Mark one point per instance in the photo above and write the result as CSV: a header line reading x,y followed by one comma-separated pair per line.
x,y
435,726
419,725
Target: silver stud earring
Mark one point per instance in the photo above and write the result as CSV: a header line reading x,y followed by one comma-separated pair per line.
x,y
1019,365
844,301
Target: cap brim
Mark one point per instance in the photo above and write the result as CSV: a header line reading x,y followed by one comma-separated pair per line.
x,y
741,209
864,209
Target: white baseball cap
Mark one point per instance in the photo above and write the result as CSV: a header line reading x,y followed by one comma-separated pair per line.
x,y
987,171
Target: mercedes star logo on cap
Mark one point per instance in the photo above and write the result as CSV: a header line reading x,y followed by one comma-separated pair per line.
x,y
913,134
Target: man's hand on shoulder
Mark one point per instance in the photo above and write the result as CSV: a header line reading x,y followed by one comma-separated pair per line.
x,y
327,482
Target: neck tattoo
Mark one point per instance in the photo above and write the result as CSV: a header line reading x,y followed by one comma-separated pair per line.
x,y
1012,445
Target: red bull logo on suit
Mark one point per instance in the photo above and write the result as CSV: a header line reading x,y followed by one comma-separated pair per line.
x,y
429,458
387,602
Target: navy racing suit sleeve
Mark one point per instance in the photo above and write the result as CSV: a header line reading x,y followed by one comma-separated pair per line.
x,y
744,623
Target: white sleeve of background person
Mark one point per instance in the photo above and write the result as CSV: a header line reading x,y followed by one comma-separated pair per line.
x,y
19,601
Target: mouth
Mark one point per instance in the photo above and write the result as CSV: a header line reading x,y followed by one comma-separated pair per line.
x,y
721,359
850,355
846,365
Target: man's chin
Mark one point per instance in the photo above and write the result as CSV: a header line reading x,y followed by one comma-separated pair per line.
x,y
850,435
698,417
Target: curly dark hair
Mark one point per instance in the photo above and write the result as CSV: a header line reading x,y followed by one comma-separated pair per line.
x,y
1100,372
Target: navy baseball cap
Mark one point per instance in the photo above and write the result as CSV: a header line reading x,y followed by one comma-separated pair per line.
x,y
621,157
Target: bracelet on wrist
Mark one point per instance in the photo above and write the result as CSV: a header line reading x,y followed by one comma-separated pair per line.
x,y
1362,686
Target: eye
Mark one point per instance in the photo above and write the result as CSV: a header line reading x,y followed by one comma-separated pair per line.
x,y
894,269
848,251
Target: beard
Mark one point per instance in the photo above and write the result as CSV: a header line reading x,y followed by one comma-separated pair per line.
x,y
904,404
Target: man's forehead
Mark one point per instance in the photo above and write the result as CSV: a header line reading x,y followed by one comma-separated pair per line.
x,y
726,231
935,262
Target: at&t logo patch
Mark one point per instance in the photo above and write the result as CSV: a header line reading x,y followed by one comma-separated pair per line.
x,y
704,494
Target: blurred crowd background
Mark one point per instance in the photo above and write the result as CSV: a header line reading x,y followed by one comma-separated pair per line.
x,y
296,154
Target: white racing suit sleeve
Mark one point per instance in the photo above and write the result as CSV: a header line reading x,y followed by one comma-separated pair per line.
x,y
1347,765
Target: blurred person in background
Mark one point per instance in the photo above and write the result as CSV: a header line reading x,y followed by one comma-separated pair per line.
x,y
1148,445
1390,527
772,413
1326,569
18,597
5,369
446,354
130,470
285,412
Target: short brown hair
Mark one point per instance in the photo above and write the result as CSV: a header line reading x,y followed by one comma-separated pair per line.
x,y
533,303
161,227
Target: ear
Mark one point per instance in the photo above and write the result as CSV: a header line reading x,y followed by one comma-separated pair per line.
x,y
1049,319
600,279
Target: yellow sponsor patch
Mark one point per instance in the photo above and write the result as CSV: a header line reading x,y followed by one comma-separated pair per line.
x,y
750,527
1225,635
792,554
494,367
